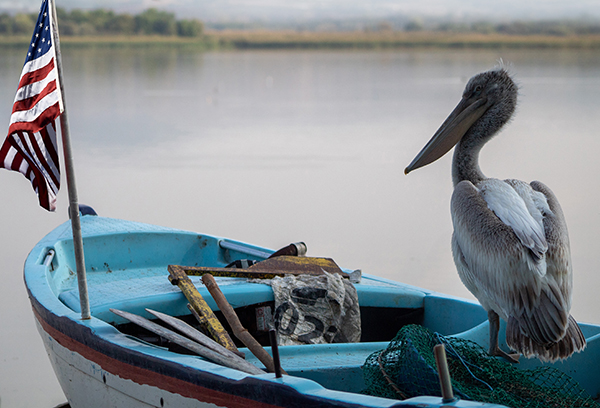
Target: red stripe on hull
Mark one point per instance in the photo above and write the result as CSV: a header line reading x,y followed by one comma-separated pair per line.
x,y
147,377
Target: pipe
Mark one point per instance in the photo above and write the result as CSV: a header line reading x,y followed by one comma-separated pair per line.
x,y
444,374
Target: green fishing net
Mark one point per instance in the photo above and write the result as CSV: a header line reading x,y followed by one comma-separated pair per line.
x,y
407,368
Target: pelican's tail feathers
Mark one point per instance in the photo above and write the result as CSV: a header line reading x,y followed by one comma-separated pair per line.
x,y
572,342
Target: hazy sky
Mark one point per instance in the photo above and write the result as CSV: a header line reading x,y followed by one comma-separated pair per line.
x,y
214,10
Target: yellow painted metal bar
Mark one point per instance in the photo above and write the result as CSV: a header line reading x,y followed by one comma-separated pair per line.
x,y
270,268
230,272
208,320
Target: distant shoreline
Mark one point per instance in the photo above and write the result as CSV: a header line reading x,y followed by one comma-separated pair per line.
x,y
262,39
395,39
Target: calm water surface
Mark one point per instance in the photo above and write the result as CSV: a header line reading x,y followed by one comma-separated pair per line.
x,y
275,147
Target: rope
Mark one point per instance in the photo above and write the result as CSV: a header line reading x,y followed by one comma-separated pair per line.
x,y
454,353
388,379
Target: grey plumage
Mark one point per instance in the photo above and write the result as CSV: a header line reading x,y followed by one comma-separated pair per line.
x,y
510,242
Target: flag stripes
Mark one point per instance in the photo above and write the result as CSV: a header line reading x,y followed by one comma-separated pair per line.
x,y
30,147
35,156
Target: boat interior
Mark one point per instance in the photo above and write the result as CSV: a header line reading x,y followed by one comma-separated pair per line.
x,y
128,271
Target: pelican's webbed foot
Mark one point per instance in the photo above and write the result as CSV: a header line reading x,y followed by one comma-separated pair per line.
x,y
511,358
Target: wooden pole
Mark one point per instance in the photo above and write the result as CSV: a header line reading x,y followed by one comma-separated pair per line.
x,y
239,330
71,185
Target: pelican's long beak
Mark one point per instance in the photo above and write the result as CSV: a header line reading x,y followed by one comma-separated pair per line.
x,y
452,130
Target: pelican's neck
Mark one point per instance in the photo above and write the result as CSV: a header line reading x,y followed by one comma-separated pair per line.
x,y
501,97
465,164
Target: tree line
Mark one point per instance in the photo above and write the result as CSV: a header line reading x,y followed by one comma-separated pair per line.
x,y
545,27
106,22
156,22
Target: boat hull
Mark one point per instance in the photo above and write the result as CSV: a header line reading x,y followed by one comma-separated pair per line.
x,y
93,373
87,384
100,365
91,379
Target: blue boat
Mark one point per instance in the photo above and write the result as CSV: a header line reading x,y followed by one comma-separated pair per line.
x,y
105,362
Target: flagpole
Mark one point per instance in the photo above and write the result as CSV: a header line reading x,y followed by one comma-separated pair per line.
x,y
71,185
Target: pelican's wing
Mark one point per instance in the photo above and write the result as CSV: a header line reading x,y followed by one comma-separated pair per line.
x,y
558,255
496,265
522,209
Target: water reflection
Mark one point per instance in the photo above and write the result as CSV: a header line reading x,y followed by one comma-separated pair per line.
x,y
274,147
328,133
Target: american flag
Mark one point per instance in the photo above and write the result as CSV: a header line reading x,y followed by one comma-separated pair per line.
x,y
30,147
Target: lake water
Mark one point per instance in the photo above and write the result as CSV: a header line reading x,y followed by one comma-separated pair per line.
x,y
272,147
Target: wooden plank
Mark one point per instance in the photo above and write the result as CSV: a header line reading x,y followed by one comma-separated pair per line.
x,y
231,361
194,334
208,320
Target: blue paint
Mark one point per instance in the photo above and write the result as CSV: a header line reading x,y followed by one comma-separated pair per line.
x,y
127,269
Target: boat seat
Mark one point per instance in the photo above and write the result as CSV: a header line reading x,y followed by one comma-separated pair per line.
x,y
157,293
335,366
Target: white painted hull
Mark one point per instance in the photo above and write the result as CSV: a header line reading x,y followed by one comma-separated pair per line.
x,y
87,385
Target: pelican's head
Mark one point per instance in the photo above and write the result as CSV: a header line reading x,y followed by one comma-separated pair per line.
x,y
488,102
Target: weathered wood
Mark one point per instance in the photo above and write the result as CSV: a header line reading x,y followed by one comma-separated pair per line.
x,y
270,268
231,361
195,314
208,320
239,330
194,334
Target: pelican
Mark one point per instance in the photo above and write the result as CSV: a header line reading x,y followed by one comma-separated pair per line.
x,y
510,242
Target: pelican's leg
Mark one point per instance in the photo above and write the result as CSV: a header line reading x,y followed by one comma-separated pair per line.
x,y
494,330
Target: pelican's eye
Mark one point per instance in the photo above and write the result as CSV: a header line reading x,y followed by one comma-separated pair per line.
x,y
477,90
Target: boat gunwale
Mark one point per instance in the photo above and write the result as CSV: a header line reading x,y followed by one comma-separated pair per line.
x,y
102,344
